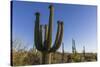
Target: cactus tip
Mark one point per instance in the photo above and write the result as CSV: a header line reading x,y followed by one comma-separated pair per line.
x,y
37,13
62,22
50,6
58,21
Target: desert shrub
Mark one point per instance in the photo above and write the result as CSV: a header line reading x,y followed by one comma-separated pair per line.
x,y
31,59
76,58
69,58
23,56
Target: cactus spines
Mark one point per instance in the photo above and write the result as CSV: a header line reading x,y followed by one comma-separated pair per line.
x,y
44,46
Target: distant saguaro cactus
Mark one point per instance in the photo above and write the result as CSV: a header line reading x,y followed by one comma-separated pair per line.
x,y
62,52
73,47
74,53
84,52
45,46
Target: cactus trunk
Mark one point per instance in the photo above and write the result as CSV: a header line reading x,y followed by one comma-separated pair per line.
x,y
46,58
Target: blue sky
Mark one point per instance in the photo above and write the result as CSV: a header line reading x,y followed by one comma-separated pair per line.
x,y
80,23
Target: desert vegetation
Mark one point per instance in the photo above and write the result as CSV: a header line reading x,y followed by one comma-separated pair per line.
x,y
34,57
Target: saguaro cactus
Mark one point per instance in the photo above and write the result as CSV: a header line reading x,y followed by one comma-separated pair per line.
x,y
62,52
73,47
74,55
84,52
45,46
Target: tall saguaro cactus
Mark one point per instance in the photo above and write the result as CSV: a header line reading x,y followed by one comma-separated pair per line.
x,y
44,44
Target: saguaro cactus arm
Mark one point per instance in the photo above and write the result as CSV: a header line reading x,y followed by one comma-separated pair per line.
x,y
58,37
41,35
49,38
45,37
46,32
58,32
37,30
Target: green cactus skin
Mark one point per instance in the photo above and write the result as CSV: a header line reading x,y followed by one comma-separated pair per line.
x,y
44,46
